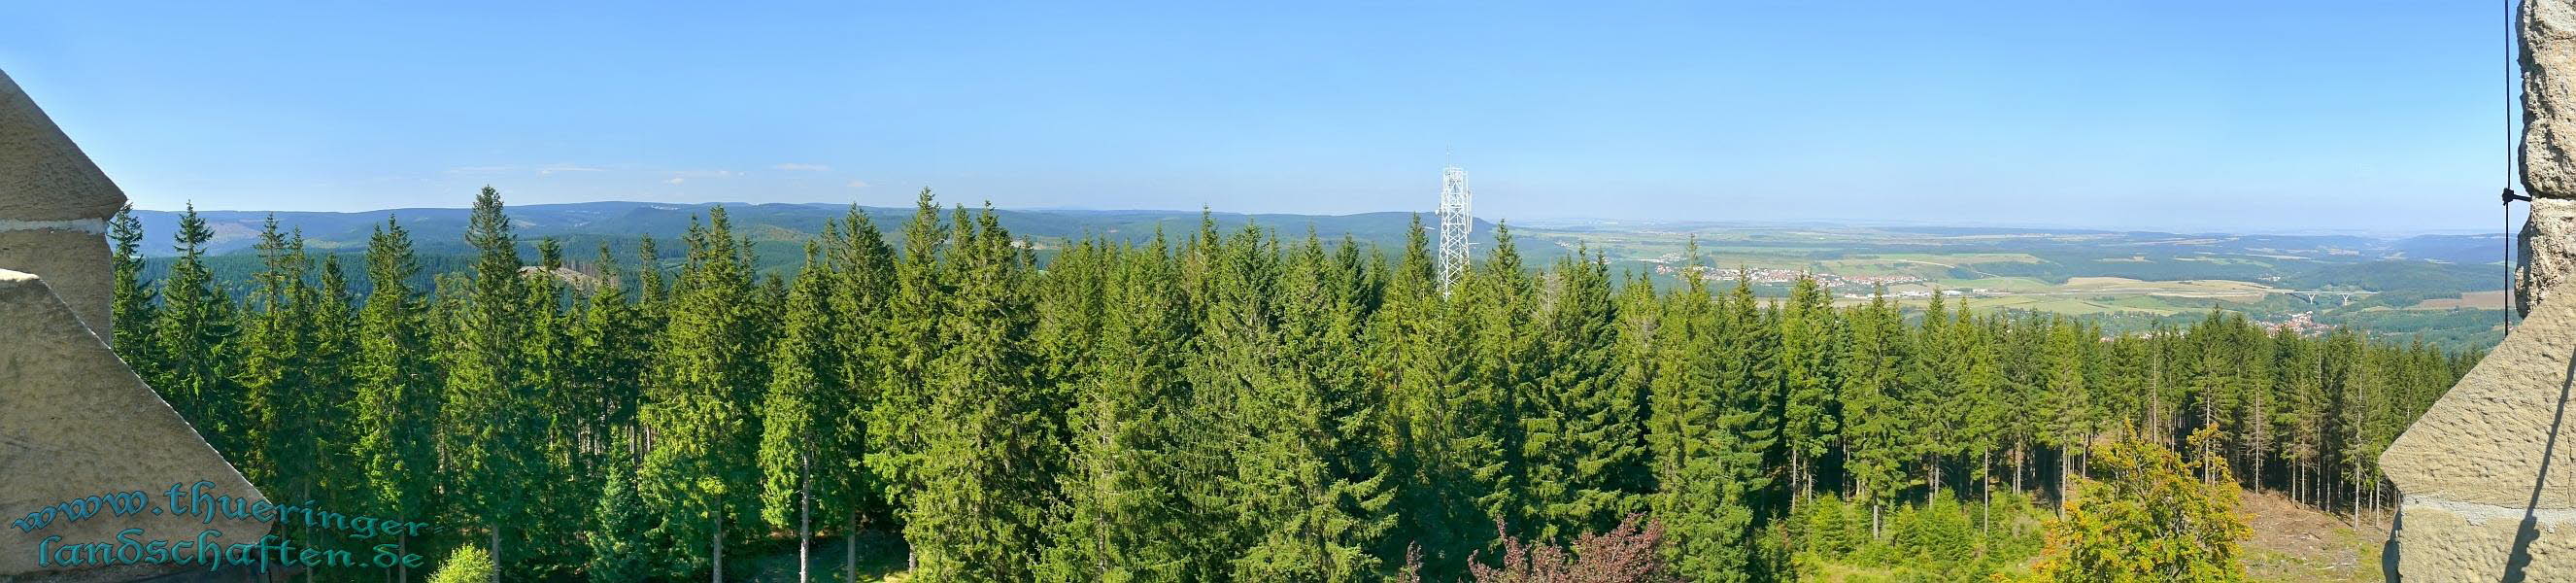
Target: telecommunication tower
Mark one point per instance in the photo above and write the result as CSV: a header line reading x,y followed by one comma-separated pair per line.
x,y
1454,223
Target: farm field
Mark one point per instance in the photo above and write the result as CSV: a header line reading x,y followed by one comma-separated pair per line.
x,y
2428,286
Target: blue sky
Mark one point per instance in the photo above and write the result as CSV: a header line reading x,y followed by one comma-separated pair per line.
x,y
2274,116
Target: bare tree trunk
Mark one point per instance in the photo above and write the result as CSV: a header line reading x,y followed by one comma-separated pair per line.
x,y
1798,474
402,546
1845,444
496,552
805,526
2061,484
2021,462
718,539
1986,470
850,558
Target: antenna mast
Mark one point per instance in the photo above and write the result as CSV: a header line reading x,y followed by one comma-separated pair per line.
x,y
1454,223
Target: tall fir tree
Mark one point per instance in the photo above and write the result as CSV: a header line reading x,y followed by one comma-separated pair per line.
x,y
701,474
798,427
863,284
397,393
991,453
915,310
131,314
1127,517
1585,428
491,429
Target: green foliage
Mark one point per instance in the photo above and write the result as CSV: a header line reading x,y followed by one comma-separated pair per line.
x,y
991,448
619,547
700,471
467,565
1230,408
2153,520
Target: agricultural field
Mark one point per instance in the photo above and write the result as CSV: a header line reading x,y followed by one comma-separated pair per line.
x,y
2446,289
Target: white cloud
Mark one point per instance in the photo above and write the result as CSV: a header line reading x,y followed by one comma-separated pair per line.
x,y
675,180
702,173
795,167
858,184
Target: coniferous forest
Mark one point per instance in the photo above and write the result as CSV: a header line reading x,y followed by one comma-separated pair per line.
x,y
1200,406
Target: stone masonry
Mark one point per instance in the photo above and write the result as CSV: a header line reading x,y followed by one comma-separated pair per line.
x,y
75,421
2489,473
54,205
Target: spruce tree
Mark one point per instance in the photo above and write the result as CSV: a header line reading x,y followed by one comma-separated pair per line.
x,y
1127,517
1875,431
992,453
1271,328
1808,374
912,341
863,283
277,368
397,396
490,423
798,417
701,473
1585,435
132,312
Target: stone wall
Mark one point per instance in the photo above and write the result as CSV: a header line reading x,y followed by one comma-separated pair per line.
x,y
54,205
75,421
2548,240
2488,474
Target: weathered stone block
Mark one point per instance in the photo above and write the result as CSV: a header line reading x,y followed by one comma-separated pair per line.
x,y
43,176
75,422
2489,473
75,264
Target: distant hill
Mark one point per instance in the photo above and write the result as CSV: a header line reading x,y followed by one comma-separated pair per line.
x,y
583,225
778,231
2047,269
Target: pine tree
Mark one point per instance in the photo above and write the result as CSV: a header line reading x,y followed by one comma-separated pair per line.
x,y
1494,403
992,454
1699,375
1808,372
1427,343
1875,434
1127,516
397,399
863,285
1586,437
608,346
805,396
489,415
618,552
275,377
1311,516
332,352
131,318
912,341
700,474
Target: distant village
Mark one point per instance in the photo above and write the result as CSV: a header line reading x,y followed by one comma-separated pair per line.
x,y
2303,323
1851,287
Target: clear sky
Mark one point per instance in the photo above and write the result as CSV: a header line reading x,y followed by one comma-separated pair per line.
x,y
2152,114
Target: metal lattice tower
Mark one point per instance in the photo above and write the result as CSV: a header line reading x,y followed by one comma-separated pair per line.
x,y
1454,223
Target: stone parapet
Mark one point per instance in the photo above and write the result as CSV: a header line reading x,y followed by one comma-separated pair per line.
x,y
75,423
54,205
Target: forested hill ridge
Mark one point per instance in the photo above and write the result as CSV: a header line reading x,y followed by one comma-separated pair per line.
x,y
1231,405
2442,288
